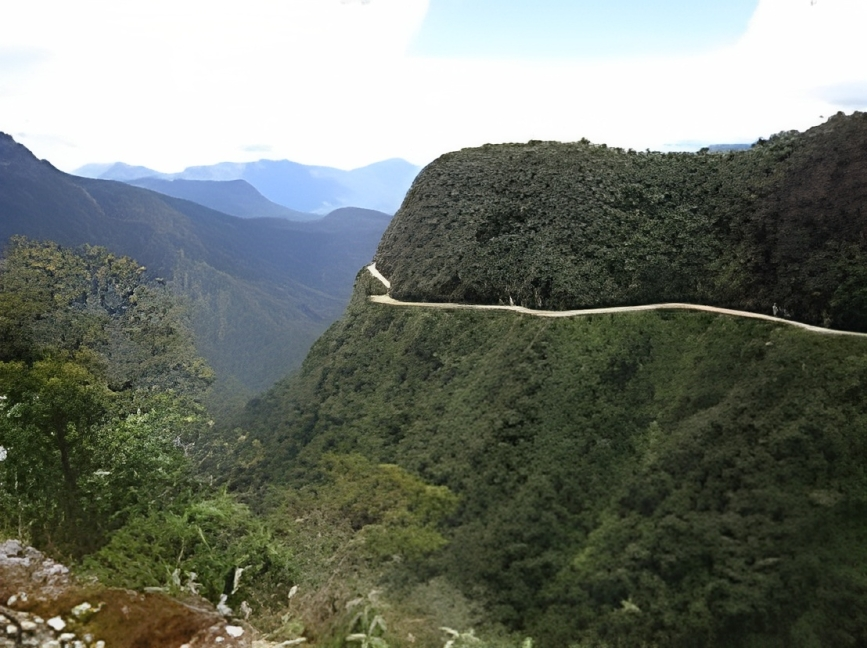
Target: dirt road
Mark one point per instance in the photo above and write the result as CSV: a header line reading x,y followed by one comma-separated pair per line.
x,y
386,299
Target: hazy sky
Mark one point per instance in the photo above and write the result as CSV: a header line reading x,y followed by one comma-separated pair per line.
x,y
173,83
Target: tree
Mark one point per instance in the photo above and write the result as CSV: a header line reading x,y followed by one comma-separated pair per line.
x,y
99,384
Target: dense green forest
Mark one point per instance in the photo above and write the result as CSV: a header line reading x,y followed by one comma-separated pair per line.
x,y
100,390
105,447
556,226
450,477
657,478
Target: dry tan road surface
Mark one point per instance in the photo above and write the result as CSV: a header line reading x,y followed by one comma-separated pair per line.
x,y
386,299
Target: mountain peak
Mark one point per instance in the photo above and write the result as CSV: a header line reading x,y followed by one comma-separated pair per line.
x,y
10,149
18,157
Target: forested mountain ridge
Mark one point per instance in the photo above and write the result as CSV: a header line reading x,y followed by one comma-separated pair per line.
x,y
550,225
659,478
261,290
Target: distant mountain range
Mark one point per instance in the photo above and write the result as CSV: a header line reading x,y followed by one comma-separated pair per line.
x,y
725,148
261,290
306,189
236,197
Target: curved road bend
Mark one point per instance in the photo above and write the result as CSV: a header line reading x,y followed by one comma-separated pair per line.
x,y
386,299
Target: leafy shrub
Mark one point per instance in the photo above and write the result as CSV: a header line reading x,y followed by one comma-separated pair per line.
x,y
201,544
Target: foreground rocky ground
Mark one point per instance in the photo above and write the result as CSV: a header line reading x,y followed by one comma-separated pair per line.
x,y
41,604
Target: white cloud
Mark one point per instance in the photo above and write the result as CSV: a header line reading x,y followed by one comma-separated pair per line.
x,y
784,73
171,83
200,77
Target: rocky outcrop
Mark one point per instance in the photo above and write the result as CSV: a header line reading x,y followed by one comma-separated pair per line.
x,y
41,604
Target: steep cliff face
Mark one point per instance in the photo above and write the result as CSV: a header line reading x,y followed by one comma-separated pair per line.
x,y
552,225
655,478
702,468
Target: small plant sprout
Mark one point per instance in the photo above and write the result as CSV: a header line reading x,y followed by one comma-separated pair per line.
x,y
371,625
629,607
460,639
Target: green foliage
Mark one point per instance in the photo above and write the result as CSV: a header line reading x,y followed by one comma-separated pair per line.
x,y
56,300
47,413
98,386
367,626
395,513
197,545
662,478
354,529
77,466
558,226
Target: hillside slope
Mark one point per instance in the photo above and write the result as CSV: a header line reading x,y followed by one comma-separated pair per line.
x,y
651,478
262,290
703,468
551,225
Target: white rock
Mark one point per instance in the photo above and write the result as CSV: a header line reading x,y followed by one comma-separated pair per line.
x,y
28,626
51,644
56,623
11,629
234,631
66,637
222,608
99,644
81,609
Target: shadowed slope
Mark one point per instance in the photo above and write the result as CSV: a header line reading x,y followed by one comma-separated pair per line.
x,y
261,290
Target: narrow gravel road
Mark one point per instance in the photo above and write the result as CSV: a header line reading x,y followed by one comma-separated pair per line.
x,y
386,299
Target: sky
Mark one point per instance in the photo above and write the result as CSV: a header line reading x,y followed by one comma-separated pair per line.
x,y
174,83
